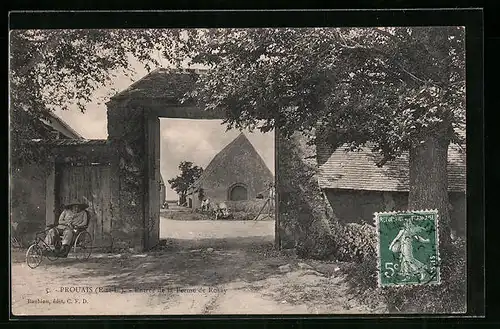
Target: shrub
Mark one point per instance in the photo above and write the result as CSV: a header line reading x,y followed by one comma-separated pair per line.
x,y
355,242
187,215
362,280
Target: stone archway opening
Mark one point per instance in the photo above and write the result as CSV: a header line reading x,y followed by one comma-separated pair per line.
x,y
238,192
134,132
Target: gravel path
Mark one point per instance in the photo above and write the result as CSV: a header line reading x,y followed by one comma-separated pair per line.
x,y
191,273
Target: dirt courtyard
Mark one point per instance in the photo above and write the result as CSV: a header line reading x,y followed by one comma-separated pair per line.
x,y
201,267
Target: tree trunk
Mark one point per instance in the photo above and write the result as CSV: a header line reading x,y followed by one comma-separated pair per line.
x,y
429,181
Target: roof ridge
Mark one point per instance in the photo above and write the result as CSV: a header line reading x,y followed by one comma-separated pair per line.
x,y
131,86
155,71
211,167
210,164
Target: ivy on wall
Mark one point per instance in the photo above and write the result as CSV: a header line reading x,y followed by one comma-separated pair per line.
x,y
127,136
307,221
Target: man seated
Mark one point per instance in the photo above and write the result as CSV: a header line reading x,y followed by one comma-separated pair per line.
x,y
73,216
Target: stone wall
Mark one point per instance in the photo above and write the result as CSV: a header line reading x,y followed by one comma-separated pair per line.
x,y
354,206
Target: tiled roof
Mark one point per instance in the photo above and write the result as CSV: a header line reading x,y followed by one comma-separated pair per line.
x,y
357,171
69,142
161,83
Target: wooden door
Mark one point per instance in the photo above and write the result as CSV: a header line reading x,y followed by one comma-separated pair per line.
x,y
152,216
90,183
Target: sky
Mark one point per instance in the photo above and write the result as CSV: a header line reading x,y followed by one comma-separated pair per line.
x,y
199,141
181,140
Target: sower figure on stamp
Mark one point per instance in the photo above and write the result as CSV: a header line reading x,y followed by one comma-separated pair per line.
x,y
74,215
403,244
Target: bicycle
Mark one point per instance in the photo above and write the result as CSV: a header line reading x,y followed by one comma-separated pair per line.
x,y
81,246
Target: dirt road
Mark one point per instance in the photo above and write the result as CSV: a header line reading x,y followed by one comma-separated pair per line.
x,y
217,275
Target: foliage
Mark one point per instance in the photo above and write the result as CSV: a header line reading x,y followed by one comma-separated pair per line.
x,y
392,89
52,69
355,242
388,86
189,174
448,297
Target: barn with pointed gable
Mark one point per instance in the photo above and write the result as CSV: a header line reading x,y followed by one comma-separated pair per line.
x,y
236,173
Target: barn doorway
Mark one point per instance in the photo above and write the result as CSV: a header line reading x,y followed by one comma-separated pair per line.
x,y
238,192
232,167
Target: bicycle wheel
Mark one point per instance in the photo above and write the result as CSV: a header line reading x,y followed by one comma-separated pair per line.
x,y
83,246
34,256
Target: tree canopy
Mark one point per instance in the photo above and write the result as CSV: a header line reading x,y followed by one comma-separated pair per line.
x,y
394,90
189,174
386,87
58,69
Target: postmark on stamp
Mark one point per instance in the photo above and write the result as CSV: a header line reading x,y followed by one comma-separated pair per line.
x,y
408,248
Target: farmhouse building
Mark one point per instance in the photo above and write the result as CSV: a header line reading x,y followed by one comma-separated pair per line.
x,y
28,183
236,173
356,188
58,128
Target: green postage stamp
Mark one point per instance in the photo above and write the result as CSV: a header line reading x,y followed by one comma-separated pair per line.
x,y
408,248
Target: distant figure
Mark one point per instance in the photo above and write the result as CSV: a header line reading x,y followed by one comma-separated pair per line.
x,y
205,204
221,210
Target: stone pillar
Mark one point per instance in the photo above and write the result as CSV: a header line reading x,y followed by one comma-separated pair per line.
x,y
126,135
